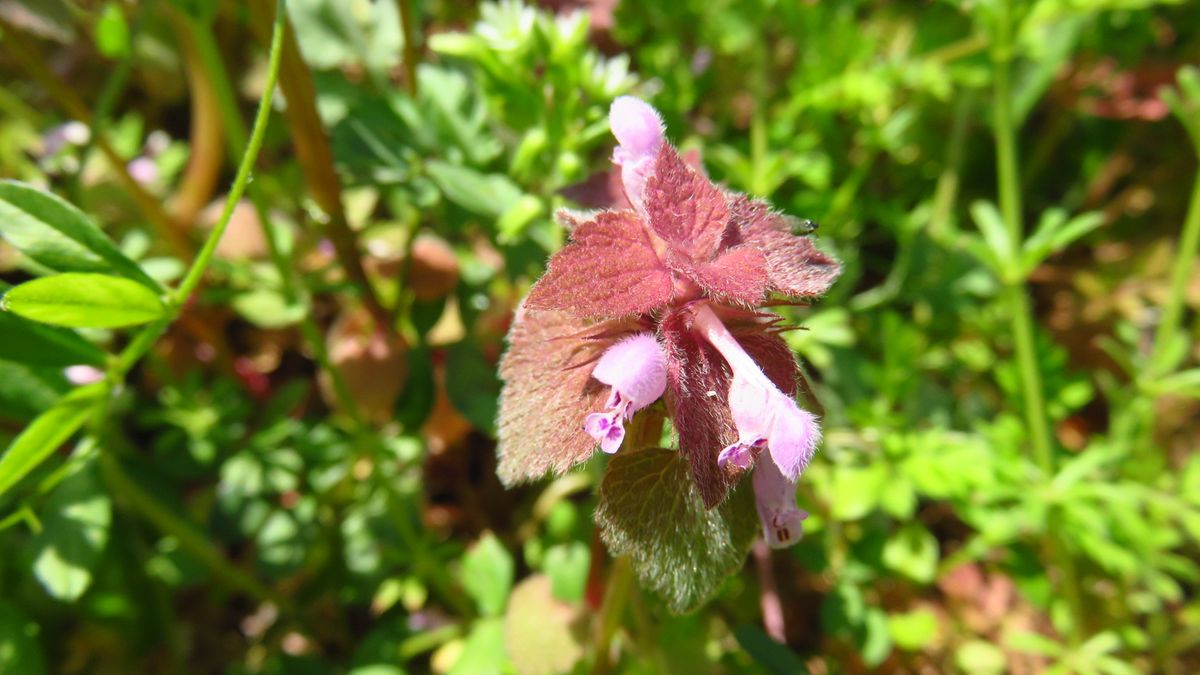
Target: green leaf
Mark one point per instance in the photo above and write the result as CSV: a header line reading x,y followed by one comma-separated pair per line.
x,y
980,657
487,574
913,552
57,235
769,654
483,651
112,33
567,566
267,308
26,392
415,402
650,510
483,194
856,490
913,630
84,300
542,634
36,344
472,385
74,533
50,430
998,253
20,651
1054,233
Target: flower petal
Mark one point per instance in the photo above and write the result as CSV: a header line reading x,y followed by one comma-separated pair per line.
x,y
775,495
609,269
636,367
639,130
793,437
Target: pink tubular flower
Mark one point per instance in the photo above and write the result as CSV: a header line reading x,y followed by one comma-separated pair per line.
x,y
636,369
664,300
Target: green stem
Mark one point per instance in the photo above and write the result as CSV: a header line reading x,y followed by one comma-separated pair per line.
x,y
292,282
1010,209
1185,260
1018,300
146,339
612,609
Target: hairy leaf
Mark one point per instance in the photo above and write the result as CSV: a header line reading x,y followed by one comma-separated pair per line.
x,y
684,208
794,266
738,276
548,390
651,511
698,390
609,269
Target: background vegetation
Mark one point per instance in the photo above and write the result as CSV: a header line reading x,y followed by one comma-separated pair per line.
x,y
274,454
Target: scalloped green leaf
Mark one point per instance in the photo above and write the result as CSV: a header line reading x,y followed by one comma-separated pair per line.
x,y
651,511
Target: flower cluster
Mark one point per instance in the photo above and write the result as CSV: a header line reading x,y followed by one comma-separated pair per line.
x,y
664,300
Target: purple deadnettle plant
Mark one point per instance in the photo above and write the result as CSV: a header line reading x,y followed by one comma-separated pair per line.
x,y
664,301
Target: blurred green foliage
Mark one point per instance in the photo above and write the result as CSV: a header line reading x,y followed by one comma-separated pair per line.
x,y
288,482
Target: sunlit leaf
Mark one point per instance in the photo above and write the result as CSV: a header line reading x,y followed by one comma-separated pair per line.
x,y
84,300
74,532
54,233
50,430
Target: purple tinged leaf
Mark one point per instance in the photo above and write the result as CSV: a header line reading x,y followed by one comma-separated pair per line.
x,y
609,269
697,391
794,266
548,392
684,208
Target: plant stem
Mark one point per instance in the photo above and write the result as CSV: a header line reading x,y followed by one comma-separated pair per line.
x,y
315,156
616,596
292,282
409,31
1018,301
1185,261
189,540
205,149
1010,209
144,340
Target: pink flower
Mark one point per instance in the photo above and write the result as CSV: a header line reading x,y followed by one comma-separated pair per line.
x,y
775,497
662,301
640,132
636,369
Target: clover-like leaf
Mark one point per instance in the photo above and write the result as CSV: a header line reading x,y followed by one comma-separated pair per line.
x,y
650,510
